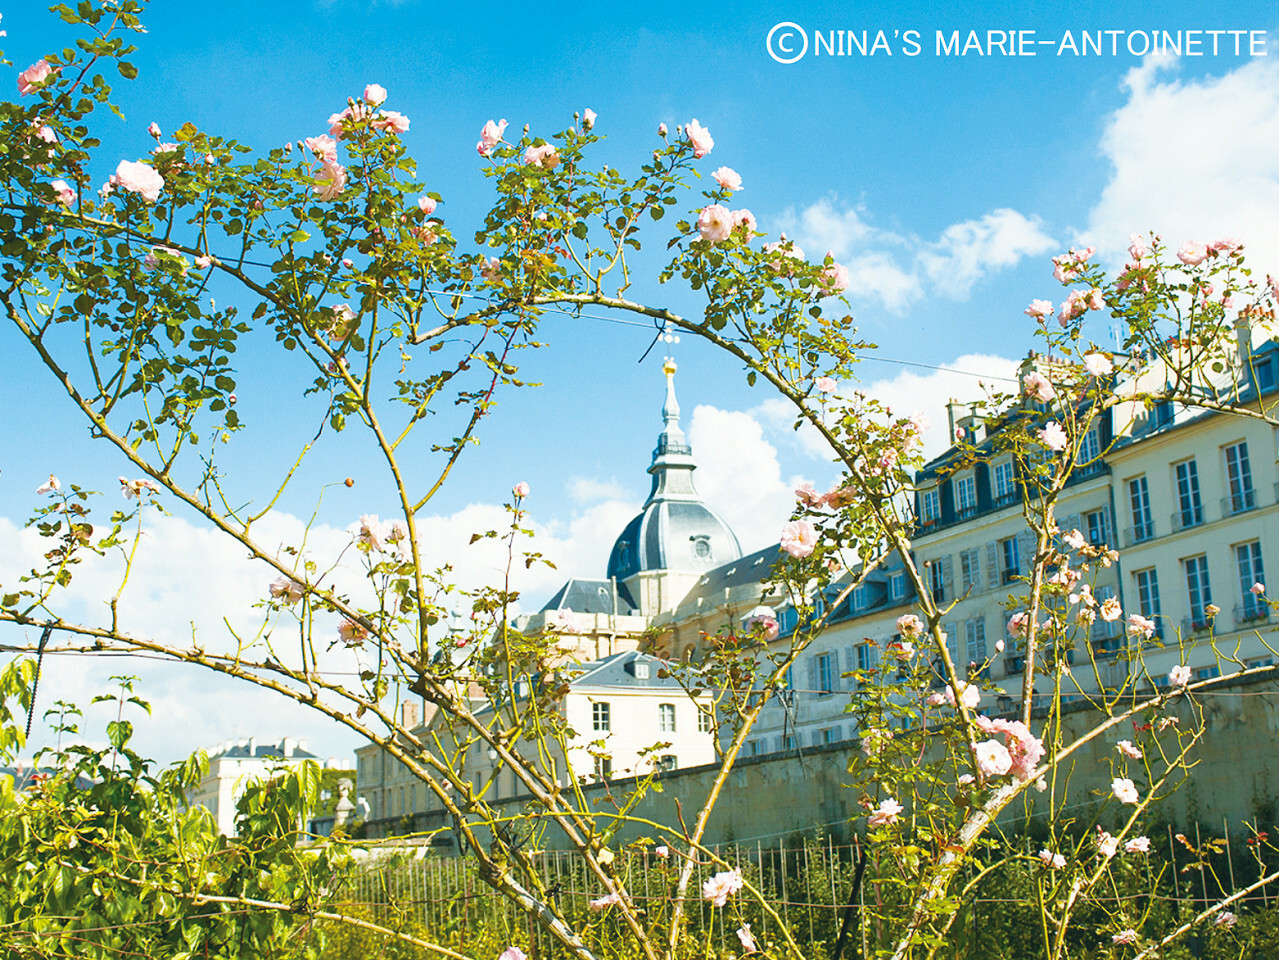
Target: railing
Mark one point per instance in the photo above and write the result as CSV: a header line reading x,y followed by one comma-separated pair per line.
x,y
1251,612
1190,517
1199,624
1139,534
1238,502
1008,499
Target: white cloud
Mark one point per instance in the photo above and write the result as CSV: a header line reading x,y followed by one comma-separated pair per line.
x,y
1193,160
589,489
929,391
897,270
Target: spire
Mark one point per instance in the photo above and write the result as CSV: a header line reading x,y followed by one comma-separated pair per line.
x,y
672,437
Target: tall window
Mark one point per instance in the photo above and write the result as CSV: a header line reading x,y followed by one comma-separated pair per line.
x,y
1248,557
603,768
825,674
970,570
965,496
1239,479
867,656
1098,528
1012,561
1148,598
897,586
1190,509
1143,526
1004,489
929,506
705,722
600,718
1089,447
975,637
666,717
1199,590
937,580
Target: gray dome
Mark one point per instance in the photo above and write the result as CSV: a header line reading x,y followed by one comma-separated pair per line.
x,y
675,530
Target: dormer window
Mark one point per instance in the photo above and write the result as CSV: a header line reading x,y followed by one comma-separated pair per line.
x,y
701,544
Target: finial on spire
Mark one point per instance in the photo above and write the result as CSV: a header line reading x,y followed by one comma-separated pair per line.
x,y
670,409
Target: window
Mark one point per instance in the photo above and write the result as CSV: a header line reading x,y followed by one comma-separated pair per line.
x,y
1143,527
1265,371
603,768
867,656
1190,511
666,717
600,718
861,597
975,638
1005,491
641,670
897,586
1239,480
929,506
705,722
1089,448
825,674
937,580
1198,589
1248,557
786,742
970,570
1098,528
829,735
965,496
1162,415
1012,562
1148,598
667,762
755,747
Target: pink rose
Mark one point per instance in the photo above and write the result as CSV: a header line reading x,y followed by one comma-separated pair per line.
x,y
52,485
807,494
543,155
1098,364
969,695
721,886
286,589
835,278
1037,387
65,192
885,814
826,385
700,138
331,181
38,73
1192,253
661,129
1053,436
490,137
1257,589
1137,249
154,130
747,939
1226,245
374,94
1225,919
604,902
426,204
1039,309
715,223
993,758
351,633
1125,790
909,625
1069,265
512,953
745,221
1140,626
1125,937
354,113
139,178
1050,859
588,118
728,179
391,121
785,249
799,538
520,490
45,132
323,146
1137,845
492,268
1179,675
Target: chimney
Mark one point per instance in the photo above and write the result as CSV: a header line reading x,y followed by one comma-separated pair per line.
x,y
253,745
286,747
1243,338
408,714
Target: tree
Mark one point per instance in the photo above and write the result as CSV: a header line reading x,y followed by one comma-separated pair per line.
x,y
333,258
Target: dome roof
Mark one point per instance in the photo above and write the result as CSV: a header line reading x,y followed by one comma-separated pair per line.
x,y
676,530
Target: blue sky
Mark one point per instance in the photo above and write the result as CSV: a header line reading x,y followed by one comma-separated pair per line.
x,y
943,182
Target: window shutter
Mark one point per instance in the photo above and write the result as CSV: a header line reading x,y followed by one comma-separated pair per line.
x,y
992,566
850,664
1025,551
812,676
948,576
952,642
